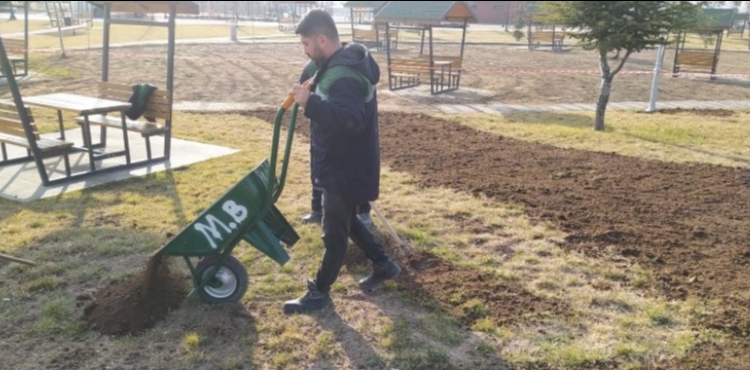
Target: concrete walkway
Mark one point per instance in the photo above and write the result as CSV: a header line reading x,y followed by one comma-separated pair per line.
x,y
507,108
228,107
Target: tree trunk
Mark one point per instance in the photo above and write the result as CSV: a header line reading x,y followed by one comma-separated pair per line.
x,y
601,104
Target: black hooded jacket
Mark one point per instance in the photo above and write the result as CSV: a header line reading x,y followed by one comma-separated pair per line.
x,y
343,111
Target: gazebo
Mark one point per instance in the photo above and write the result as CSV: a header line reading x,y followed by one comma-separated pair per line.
x,y
363,12
443,71
297,10
711,30
18,127
539,33
738,25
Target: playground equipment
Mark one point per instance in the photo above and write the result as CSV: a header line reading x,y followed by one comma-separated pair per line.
x,y
246,212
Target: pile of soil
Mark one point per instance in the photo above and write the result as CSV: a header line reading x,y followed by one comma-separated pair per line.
x,y
134,305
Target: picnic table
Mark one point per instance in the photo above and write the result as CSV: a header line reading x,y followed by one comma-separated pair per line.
x,y
85,106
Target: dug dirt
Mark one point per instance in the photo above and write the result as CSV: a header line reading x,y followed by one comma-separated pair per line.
x,y
134,305
688,223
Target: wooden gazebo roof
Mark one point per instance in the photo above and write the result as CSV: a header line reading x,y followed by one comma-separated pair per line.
x,y
426,12
718,19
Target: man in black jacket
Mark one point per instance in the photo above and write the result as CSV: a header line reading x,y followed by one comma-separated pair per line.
x,y
316,210
343,113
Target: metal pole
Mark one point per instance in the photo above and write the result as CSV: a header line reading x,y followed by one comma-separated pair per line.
x,y
432,65
655,83
105,42
388,52
59,26
170,78
26,38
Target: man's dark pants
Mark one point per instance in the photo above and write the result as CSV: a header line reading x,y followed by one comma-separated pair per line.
x,y
340,222
317,204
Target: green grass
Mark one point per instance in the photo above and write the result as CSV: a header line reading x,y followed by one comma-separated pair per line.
x,y
680,137
81,240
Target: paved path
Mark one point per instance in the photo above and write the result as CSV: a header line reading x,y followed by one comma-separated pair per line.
x,y
506,108
497,108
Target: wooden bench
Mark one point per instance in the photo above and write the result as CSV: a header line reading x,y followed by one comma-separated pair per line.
x,y
551,38
701,61
16,50
159,109
407,72
12,132
371,38
287,24
455,68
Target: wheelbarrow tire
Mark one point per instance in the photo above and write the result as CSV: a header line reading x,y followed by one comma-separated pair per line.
x,y
231,280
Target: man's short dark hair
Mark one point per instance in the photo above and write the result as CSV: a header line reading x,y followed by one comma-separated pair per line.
x,y
318,22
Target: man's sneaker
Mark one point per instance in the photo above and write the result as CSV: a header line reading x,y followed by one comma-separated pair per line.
x,y
314,217
366,220
380,273
312,300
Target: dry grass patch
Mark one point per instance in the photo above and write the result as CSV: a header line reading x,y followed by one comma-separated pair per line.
x,y
129,33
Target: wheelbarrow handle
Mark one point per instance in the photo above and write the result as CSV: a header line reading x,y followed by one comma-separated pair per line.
x,y
285,106
290,99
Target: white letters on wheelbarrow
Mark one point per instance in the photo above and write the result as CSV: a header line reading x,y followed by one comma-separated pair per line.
x,y
236,211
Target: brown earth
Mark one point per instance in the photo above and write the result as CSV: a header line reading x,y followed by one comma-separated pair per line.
x,y
454,287
134,305
429,279
263,74
688,223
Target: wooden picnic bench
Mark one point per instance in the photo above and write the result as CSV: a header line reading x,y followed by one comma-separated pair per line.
x,y
153,121
13,132
409,72
551,38
16,49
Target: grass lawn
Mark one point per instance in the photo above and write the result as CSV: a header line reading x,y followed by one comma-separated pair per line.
x,y
82,240
679,136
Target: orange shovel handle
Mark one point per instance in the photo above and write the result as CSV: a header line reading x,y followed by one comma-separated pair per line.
x,y
290,99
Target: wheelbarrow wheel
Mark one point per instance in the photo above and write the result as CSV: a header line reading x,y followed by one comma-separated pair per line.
x,y
229,283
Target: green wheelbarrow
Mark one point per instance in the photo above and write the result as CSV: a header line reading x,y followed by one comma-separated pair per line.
x,y
246,212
